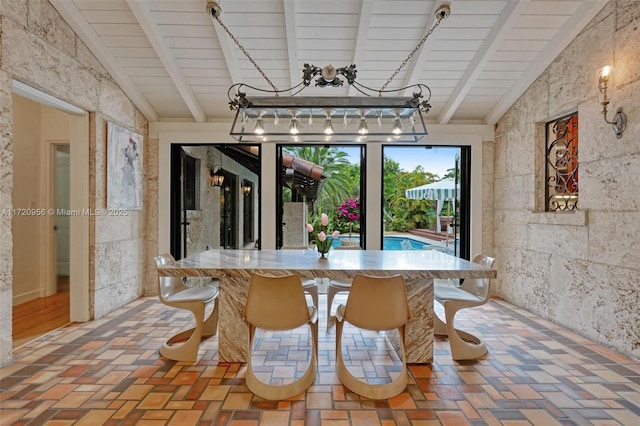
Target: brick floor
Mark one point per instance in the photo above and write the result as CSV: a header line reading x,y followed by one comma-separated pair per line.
x,y
109,372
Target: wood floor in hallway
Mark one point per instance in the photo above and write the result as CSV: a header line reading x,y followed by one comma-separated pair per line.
x,y
39,316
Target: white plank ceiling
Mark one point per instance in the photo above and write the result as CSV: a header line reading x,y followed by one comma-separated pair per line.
x,y
176,63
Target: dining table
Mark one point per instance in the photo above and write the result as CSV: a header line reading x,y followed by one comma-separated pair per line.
x,y
234,268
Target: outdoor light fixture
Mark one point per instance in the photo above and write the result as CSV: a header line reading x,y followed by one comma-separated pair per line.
x,y
216,177
378,115
619,122
246,187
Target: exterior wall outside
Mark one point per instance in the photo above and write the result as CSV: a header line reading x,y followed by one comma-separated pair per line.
x,y
295,231
580,269
38,48
203,229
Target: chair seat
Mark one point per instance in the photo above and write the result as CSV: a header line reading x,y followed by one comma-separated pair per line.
x,y
194,294
340,284
308,283
446,292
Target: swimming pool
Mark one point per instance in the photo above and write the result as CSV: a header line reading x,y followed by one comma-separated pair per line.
x,y
391,243
402,243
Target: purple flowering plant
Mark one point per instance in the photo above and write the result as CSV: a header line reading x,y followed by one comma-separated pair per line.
x,y
349,213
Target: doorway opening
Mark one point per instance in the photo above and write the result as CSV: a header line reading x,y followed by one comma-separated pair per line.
x,y
426,198
321,179
215,194
50,248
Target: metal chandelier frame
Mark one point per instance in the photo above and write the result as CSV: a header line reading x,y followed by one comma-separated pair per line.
x,y
273,115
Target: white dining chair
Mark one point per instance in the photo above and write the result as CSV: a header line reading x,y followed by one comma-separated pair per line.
x,y
276,304
472,292
173,292
374,303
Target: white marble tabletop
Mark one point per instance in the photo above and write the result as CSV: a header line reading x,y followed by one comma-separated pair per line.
x,y
234,268
415,263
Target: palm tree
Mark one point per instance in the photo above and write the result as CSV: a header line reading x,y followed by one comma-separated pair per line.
x,y
338,184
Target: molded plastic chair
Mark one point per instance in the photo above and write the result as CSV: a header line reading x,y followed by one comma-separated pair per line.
x,y
472,292
276,304
173,292
335,287
309,285
374,303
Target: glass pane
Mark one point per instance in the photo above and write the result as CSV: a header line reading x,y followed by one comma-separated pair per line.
x,y
316,180
212,213
421,196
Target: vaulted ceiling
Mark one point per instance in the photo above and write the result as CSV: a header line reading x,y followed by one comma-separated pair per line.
x,y
176,63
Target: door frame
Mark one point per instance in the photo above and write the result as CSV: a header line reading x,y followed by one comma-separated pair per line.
x,y
79,198
48,181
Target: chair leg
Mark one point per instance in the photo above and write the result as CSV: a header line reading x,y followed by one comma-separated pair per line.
x,y
211,323
464,346
331,294
274,392
372,391
439,326
187,351
313,292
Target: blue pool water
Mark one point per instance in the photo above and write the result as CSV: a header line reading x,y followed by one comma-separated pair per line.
x,y
395,243
390,243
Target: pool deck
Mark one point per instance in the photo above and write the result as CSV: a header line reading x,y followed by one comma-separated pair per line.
x,y
431,235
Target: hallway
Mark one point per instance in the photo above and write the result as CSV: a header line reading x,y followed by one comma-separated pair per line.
x,y
39,316
109,372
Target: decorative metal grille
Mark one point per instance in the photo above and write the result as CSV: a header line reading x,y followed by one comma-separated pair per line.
x,y
562,164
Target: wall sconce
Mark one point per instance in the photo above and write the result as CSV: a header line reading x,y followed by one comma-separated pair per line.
x,y
619,122
216,177
246,188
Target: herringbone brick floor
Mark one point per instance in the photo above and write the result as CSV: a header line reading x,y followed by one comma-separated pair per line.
x,y
109,372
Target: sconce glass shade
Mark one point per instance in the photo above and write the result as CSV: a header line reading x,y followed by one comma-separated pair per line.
x,y
216,178
619,121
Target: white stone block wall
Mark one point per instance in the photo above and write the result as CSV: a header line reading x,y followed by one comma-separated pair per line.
x,y
580,270
295,217
38,48
6,184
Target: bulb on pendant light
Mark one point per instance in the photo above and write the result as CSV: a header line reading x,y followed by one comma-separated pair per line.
x,y
363,129
294,126
327,127
397,127
259,129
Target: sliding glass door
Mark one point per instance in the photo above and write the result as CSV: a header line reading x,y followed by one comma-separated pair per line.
x,y
426,198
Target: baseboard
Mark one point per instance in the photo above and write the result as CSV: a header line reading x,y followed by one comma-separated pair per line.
x,y
26,296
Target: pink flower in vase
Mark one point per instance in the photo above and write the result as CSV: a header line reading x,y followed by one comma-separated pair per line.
x,y
320,235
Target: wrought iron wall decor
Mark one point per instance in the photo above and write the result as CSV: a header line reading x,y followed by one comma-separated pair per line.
x,y
562,164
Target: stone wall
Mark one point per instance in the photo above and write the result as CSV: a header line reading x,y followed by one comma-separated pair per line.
x,y
39,49
578,269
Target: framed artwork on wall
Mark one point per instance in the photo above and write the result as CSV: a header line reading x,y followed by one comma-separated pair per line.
x,y
124,168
